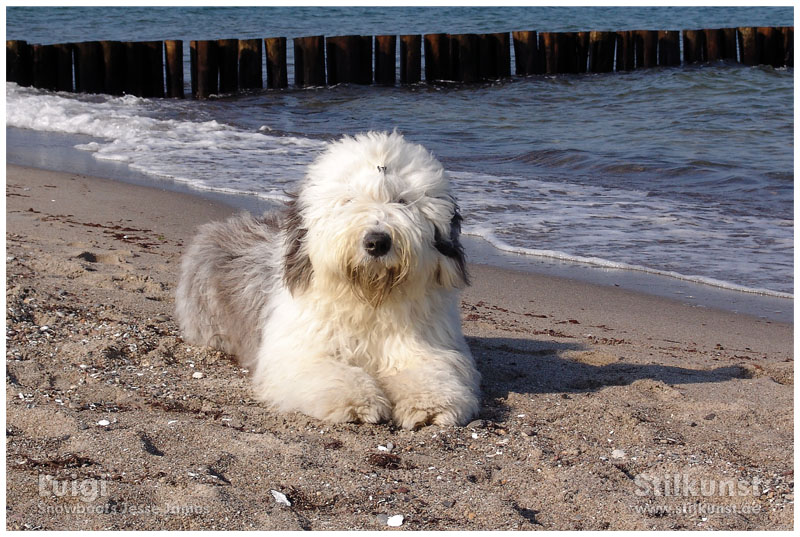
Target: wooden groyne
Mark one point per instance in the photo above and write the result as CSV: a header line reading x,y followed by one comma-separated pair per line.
x,y
225,66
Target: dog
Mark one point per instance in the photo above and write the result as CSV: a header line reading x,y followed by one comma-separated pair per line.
x,y
345,306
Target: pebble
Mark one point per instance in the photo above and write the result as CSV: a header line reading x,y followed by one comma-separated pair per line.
x,y
449,503
161,318
197,375
395,521
617,454
280,498
103,423
477,424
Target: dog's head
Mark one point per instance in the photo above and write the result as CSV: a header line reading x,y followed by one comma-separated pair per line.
x,y
375,212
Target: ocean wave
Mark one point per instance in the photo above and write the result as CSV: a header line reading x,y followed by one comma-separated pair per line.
x,y
207,155
490,237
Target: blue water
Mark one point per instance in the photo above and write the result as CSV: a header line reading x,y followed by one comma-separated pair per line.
x,y
684,171
54,25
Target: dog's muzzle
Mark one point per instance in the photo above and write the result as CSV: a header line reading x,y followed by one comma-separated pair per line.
x,y
377,243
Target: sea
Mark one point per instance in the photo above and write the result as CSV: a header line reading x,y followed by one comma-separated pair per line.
x,y
677,181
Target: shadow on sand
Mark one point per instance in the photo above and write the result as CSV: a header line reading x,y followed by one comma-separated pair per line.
x,y
528,366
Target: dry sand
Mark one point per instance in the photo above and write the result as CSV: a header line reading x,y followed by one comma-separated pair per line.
x,y
590,395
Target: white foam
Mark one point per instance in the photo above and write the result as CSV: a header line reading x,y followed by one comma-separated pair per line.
x,y
206,155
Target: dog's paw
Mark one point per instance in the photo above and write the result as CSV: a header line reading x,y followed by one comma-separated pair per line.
x,y
414,412
365,404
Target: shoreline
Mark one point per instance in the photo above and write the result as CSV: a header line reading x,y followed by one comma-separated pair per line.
x,y
55,152
588,392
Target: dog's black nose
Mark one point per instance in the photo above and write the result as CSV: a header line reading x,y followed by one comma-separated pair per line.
x,y
377,243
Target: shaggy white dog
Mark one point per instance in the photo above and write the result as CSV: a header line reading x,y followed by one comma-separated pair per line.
x,y
346,306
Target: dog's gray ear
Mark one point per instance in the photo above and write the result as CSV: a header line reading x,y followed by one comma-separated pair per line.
x,y
297,268
453,272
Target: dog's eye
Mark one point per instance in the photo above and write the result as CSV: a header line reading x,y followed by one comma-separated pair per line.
x,y
402,201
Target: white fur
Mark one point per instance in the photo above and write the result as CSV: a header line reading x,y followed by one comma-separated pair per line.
x,y
327,329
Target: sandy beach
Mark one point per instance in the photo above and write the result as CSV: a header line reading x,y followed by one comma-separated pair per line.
x,y
601,408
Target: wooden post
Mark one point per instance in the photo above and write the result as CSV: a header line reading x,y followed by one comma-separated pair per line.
x,y
694,46
547,47
19,62
487,68
228,62
309,61
152,68
143,69
494,56
601,51
385,64
646,46
566,52
45,72
204,69
464,57
626,56
714,40
173,52
502,50
134,60
337,52
730,36
669,48
89,71
410,59
788,45
275,48
349,59
749,46
772,51
250,71
437,57
526,51
64,67
114,66
193,68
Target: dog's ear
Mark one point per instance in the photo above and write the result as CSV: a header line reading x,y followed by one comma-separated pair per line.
x,y
452,271
297,268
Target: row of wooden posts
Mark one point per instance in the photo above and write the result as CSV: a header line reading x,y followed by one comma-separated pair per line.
x,y
155,68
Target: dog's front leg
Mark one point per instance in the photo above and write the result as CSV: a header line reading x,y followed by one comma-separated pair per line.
x,y
439,387
296,377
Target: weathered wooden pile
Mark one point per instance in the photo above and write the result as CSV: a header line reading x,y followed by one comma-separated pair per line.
x,y
225,66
